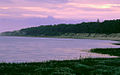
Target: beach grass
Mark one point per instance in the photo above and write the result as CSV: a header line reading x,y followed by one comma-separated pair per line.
x,y
88,66
110,51
96,66
116,43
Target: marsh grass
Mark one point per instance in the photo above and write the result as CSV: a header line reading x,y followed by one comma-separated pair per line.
x,y
110,51
99,66
116,43
89,66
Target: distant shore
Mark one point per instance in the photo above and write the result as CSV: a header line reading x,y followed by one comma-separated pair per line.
x,y
114,36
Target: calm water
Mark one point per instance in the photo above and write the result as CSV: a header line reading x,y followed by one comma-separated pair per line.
x,y
30,49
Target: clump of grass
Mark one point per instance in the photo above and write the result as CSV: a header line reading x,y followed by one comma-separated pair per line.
x,y
116,43
110,51
96,66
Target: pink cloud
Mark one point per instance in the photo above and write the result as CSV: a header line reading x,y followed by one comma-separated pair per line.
x,y
34,15
4,7
74,9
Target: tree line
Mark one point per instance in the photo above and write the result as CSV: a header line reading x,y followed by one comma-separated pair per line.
x,y
106,27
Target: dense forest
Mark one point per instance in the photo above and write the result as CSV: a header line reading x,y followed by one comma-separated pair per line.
x,y
106,27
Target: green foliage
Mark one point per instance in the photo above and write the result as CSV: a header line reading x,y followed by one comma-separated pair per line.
x,y
96,66
107,27
110,51
116,43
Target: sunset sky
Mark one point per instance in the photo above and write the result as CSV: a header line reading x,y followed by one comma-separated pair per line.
x,y
17,14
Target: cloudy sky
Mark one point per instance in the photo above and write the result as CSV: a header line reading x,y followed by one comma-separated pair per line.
x,y
17,14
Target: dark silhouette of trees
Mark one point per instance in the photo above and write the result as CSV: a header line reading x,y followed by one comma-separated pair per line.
x,y
107,27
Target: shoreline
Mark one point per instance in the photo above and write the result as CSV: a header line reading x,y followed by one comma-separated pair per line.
x,y
89,53
85,66
98,36
74,37
100,55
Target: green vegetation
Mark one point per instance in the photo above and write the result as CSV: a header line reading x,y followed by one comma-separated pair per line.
x,y
98,66
116,43
107,27
110,51
89,66
112,36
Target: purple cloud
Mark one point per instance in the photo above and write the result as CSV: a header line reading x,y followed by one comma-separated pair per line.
x,y
10,24
95,9
50,1
5,1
